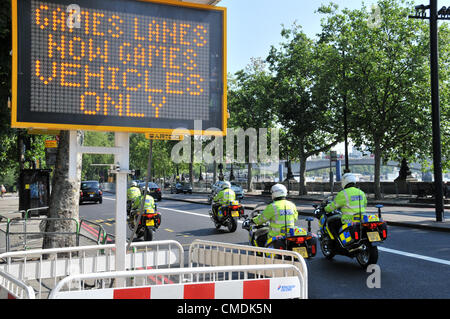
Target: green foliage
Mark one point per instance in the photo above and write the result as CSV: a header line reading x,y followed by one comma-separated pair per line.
x,y
249,102
387,70
303,94
387,79
90,171
162,164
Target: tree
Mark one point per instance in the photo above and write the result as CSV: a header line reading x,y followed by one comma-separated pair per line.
x,y
387,80
249,102
64,198
162,164
302,92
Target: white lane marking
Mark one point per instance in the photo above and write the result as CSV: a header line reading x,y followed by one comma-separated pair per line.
x,y
108,198
190,213
399,252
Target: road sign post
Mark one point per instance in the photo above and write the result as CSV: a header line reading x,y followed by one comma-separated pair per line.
x,y
121,159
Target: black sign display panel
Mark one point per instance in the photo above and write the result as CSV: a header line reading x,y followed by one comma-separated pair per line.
x,y
118,65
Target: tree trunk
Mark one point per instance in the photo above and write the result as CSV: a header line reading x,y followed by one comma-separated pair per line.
x,y
377,188
302,185
64,198
249,178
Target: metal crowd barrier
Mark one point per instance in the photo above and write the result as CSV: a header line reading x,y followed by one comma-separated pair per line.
x,y
93,232
12,288
42,269
215,270
34,227
100,233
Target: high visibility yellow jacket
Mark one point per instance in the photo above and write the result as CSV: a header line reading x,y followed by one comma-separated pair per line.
x,y
351,202
281,214
149,203
133,192
225,196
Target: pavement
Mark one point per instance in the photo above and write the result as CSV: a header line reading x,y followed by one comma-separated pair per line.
x,y
9,204
396,211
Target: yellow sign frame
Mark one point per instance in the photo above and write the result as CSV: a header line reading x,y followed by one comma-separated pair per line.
x,y
164,136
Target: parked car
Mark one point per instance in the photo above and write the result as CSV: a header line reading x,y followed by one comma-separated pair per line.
x,y
217,186
90,191
155,190
182,187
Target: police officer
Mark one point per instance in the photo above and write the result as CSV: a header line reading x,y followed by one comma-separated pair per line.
x,y
224,197
280,214
132,193
149,203
350,201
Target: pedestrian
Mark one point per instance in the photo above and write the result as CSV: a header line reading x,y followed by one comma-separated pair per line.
x,y
3,190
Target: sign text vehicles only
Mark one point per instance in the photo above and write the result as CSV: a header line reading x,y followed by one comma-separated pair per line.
x,y
118,65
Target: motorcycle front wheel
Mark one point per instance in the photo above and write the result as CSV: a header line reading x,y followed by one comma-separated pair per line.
x,y
327,250
232,224
367,256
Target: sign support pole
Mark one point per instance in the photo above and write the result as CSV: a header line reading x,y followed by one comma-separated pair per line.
x,y
122,140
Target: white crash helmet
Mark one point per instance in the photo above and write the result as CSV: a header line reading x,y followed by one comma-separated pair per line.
x,y
226,185
134,184
278,190
348,178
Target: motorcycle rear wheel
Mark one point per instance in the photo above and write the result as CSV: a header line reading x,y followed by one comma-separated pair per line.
x,y
367,256
148,234
232,224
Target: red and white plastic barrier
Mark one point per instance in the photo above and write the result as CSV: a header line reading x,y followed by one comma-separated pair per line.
x,y
260,288
274,288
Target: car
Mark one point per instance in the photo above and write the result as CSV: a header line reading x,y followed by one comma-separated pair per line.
x,y
239,191
90,191
182,187
155,190
217,187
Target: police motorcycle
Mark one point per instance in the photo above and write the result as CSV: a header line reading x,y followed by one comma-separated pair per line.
x,y
227,215
296,239
355,239
147,223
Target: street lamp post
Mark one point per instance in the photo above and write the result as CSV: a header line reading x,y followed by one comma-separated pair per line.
x,y
442,14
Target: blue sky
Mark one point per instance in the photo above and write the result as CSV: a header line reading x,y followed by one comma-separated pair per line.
x,y
255,25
